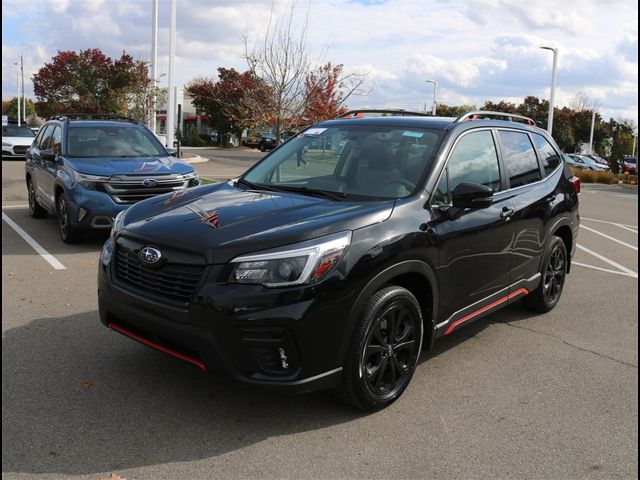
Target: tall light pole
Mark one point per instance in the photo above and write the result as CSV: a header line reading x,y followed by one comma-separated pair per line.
x,y
171,110
593,124
552,96
24,99
154,63
435,88
19,95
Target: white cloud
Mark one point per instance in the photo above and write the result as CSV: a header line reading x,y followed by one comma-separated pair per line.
x,y
475,49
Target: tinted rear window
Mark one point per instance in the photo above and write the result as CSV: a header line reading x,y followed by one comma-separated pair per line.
x,y
550,158
519,157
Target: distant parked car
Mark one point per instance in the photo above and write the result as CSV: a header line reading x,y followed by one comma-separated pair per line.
x,y
599,160
261,140
629,164
590,163
575,162
16,140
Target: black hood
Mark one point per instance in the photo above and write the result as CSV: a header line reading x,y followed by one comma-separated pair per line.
x,y
222,221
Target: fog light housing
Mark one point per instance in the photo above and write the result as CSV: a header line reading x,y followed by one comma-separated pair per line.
x,y
81,214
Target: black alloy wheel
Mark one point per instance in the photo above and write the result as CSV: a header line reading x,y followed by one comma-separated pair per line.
x,y
67,232
553,274
384,351
35,209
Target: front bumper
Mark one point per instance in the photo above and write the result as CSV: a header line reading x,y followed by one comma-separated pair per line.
x,y
98,209
282,340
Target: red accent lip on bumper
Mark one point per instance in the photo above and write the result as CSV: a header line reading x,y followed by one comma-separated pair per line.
x,y
157,346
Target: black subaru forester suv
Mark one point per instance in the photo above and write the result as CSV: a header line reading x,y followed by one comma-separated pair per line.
x,y
335,259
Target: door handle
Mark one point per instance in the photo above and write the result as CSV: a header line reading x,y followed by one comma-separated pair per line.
x,y
507,212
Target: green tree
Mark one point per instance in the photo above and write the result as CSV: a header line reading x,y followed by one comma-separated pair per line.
x,y
10,108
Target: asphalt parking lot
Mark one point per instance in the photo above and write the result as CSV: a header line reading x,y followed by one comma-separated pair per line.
x,y
515,395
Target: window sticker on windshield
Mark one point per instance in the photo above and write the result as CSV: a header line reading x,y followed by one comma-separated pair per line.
x,y
313,132
412,134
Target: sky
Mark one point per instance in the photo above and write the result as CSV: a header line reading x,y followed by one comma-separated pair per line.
x,y
476,50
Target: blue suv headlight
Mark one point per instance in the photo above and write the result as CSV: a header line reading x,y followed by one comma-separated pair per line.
x,y
89,181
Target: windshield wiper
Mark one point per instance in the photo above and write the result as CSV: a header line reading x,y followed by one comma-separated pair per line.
x,y
312,191
252,186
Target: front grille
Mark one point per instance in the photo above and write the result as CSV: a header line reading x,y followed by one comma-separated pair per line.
x,y
132,188
177,282
20,149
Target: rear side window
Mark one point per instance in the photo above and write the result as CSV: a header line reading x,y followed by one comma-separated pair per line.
x,y
56,138
519,158
473,160
45,137
550,158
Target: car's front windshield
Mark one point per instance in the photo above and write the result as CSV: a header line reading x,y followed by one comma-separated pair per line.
x,y
631,160
112,141
16,131
377,161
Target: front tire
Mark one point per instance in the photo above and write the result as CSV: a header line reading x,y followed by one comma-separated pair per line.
x,y
68,233
554,272
35,209
384,350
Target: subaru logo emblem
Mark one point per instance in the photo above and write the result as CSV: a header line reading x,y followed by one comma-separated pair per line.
x,y
150,255
149,182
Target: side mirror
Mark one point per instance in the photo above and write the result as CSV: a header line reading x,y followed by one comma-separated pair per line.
x,y
172,151
472,195
48,154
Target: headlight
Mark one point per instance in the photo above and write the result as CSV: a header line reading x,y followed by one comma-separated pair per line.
x,y
117,224
5,144
194,179
306,262
89,181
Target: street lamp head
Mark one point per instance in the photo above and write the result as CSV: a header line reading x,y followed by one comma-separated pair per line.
x,y
553,49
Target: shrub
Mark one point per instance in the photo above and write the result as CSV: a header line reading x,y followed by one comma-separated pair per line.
x,y
591,176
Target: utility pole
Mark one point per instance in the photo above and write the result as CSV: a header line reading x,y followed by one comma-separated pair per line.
x,y
171,110
552,96
435,87
18,83
593,123
24,99
154,63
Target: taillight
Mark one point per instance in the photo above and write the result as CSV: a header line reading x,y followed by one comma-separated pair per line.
x,y
575,181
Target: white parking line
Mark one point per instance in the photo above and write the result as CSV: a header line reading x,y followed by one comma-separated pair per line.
x,y
53,261
14,206
621,225
609,261
603,269
610,238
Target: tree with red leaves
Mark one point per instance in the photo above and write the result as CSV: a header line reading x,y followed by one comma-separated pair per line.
x,y
91,82
325,94
233,103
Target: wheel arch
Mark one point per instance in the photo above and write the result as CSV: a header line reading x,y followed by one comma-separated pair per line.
x,y
414,275
566,234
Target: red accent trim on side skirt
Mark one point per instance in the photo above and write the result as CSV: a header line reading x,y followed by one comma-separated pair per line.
x,y
157,346
485,308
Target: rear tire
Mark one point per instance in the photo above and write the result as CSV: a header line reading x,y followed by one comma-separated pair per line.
x,y
554,272
68,233
384,350
35,209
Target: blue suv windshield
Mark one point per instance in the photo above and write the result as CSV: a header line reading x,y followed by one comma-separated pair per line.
x,y
112,141
377,161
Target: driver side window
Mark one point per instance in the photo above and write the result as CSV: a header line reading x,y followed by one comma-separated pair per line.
x,y
473,160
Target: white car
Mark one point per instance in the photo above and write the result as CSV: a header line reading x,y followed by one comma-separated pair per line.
x,y
16,140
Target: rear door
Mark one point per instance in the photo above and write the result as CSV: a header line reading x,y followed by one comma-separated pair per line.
x,y
534,198
475,247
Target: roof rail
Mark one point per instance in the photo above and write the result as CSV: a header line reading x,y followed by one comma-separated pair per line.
x,y
398,112
478,114
92,116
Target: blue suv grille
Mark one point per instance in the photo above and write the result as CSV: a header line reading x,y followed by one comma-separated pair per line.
x,y
133,188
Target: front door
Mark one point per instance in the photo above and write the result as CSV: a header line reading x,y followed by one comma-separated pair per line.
x,y
475,244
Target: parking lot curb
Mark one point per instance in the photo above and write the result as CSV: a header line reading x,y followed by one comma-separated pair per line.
x,y
195,159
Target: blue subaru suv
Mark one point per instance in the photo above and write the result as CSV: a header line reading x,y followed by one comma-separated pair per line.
x,y
87,169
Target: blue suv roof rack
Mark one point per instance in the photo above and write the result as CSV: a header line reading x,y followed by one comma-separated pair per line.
x,y
92,116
